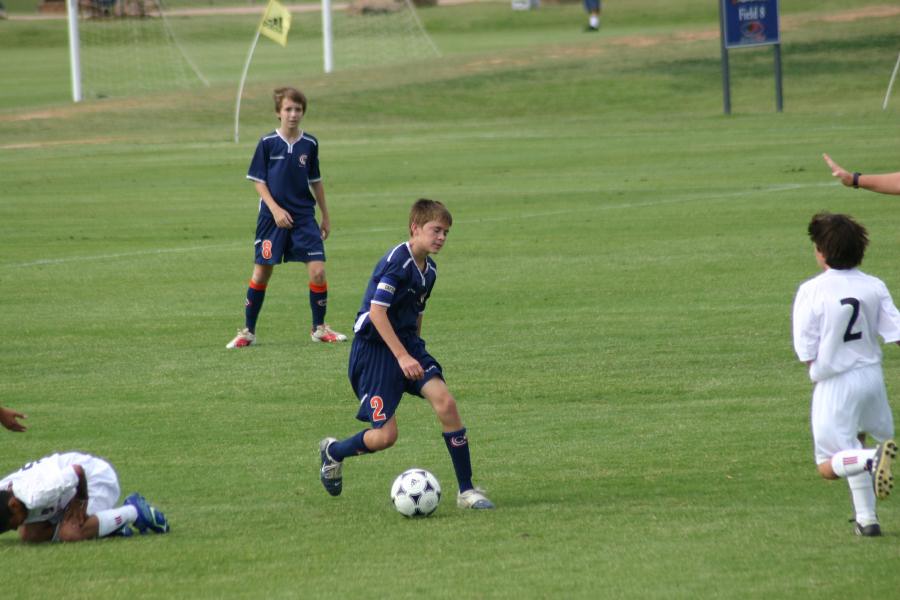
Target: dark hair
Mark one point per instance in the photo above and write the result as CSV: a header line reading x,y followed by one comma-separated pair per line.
x,y
424,210
288,92
5,513
840,239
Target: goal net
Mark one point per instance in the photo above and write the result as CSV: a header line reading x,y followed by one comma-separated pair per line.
x,y
124,48
379,32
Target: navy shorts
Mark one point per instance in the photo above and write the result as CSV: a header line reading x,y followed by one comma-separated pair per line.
x,y
274,245
378,381
592,5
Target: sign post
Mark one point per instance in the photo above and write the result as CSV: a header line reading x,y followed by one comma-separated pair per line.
x,y
747,23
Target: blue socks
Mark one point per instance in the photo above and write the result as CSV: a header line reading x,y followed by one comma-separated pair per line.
x,y
351,446
458,446
256,293
318,300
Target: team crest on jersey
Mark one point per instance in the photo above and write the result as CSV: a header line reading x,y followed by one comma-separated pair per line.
x,y
302,159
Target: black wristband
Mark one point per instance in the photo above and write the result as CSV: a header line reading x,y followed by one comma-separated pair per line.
x,y
856,180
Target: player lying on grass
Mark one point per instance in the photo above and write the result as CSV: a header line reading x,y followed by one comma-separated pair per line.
x,y
388,356
285,172
8,419
71,497
885,183
837,317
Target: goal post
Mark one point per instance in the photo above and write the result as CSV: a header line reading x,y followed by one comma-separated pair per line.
x,y
74,49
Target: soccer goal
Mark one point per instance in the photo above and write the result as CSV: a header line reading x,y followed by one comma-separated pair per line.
x,y
125,47
373,32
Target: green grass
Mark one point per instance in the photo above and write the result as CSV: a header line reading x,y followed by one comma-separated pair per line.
x,y
612,313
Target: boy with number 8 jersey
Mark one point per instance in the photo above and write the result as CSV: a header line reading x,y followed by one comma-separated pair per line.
x,y
285,173
836,318
388,357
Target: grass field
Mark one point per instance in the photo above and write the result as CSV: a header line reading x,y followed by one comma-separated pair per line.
x,y
612,313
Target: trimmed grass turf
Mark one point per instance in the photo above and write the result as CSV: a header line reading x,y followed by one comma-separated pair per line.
x,y
612,313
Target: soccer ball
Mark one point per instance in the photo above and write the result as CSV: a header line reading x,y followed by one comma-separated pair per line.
x,y
416,493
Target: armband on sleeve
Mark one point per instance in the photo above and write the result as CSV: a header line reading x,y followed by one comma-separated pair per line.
x,y
384,292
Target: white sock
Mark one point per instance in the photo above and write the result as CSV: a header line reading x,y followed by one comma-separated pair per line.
x,y
594,21
114,518
848,463
863,498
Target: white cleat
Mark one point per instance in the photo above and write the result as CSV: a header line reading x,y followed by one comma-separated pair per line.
x,y
324,333
474,498
243,339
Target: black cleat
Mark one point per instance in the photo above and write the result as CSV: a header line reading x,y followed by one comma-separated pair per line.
x,y
873,530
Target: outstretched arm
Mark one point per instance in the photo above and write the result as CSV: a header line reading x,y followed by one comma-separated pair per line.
x,y
8,419
886,183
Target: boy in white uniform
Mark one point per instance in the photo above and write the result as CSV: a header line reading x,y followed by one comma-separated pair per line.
x,y
836,318
71,497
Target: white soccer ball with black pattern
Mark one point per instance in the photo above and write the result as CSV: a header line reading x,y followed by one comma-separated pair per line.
x,y
416,493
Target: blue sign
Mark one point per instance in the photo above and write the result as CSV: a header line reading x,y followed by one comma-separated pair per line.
x,y
750,22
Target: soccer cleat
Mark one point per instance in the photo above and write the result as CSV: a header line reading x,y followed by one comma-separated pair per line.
x,y
882,479
149,518
243,339
872,530
324,333
331,473
473,498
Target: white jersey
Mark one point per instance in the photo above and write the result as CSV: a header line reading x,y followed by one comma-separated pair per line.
x,y
46,486
836,318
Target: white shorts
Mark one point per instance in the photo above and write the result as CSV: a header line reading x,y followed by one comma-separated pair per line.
x,y
103,485
846,405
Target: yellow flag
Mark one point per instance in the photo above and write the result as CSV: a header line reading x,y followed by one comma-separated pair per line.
x,y
276,22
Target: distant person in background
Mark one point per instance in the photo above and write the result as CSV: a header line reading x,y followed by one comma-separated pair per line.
x,y
8,419
593,8
886,183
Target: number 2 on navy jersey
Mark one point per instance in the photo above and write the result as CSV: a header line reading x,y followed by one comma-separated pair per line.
x,y
849,335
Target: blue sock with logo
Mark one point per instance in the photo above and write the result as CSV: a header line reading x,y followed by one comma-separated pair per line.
x,y
351,446
256,293
458,446
318,300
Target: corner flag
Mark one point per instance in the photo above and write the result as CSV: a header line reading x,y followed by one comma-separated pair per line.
x,y
276,22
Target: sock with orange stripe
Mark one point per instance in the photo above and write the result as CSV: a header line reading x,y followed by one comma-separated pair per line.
x,y
256,293
318,299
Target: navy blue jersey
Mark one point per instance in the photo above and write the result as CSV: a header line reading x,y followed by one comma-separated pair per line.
x,y
398,284
287,170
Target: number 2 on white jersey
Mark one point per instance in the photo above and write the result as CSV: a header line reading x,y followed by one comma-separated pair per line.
x,y
849,335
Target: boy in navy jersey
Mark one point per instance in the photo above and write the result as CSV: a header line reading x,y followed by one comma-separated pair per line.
x,y
389,358
285,172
